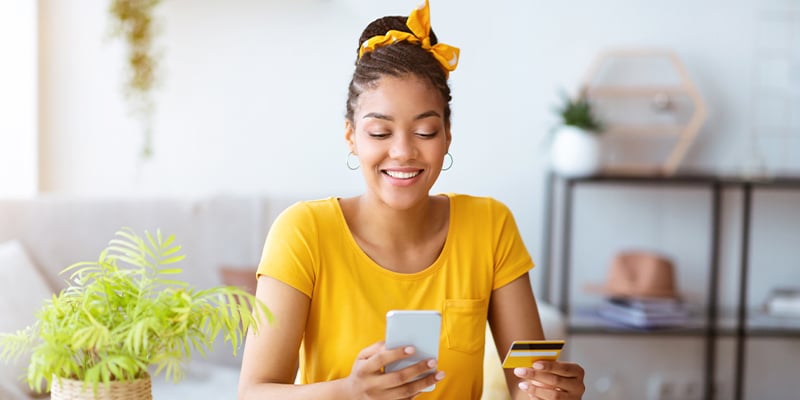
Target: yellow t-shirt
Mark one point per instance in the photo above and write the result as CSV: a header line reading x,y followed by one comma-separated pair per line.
x,y
310,248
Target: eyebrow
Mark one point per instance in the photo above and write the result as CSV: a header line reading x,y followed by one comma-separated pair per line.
x,y
426,114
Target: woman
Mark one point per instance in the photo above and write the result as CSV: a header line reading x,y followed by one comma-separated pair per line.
x,y
332,268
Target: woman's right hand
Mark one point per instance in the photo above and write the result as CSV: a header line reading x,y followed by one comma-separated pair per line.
x,y
367,379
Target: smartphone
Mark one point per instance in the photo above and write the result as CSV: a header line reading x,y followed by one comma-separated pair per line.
x,y
523,353
418,328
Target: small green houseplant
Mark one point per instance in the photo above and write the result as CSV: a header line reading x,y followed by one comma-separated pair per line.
x,y
126,312
575,147
577,111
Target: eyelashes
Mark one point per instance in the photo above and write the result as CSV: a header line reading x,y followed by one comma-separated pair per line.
x,y
384,135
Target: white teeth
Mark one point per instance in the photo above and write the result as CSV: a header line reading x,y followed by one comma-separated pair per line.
x,y
402,175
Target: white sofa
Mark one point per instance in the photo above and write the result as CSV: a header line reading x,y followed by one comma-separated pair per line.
x,y
41,236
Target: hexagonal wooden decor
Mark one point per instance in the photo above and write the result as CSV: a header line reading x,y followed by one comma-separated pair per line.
x,y
651,110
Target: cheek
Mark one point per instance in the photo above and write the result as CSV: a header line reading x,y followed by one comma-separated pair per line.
x,y
368,153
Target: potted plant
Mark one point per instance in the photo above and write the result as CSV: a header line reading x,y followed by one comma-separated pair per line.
x,y
575,150
125,315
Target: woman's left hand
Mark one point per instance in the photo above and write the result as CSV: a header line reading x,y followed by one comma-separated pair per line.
x,y
552,380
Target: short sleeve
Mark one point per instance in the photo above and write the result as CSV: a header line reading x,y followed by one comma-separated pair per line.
x,y
511,258
291,247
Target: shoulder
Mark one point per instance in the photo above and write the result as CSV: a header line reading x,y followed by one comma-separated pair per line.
x,y
308,212
477,205
310,207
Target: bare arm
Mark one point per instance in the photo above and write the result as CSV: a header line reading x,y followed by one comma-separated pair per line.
x,y
270,357
513,315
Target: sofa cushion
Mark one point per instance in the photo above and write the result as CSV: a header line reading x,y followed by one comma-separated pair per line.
x,y
202,381
23,290
8,390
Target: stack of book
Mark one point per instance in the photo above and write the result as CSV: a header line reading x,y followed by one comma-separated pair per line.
x,y
784,302
645,313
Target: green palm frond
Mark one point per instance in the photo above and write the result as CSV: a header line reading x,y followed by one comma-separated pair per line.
x,y
126,312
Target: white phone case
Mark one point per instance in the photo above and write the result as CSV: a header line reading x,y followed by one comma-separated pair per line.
x,y
418,328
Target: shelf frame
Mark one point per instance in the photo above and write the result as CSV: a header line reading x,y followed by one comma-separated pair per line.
x,y
742,329
715,184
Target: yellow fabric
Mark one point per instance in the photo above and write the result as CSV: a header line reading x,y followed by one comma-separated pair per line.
x,y
310,248
419,22
494,379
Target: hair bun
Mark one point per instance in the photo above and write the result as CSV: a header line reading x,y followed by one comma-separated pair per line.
x,y
382,25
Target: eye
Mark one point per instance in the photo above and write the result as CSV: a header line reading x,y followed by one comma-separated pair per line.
x,y
378,135
426,135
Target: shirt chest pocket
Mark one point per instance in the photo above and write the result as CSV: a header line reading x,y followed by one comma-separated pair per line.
x,y
465,324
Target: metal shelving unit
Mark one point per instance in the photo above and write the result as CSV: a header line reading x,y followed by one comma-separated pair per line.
x,y
744,323
744,317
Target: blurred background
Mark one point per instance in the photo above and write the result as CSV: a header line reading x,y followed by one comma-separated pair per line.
x,y
249,101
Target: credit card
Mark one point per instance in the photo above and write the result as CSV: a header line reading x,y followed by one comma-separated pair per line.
x,y
523,353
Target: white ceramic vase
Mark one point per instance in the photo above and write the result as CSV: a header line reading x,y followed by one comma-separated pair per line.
x,y
575,152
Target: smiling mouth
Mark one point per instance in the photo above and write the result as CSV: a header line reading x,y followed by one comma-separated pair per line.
x,y
402,174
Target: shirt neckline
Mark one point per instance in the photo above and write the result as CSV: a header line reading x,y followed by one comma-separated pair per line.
x,y
429,270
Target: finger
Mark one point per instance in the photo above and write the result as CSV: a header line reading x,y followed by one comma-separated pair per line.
x,y
524,385
542,379
540,391
524,373
411,389
370,350
408,374
429,380
388,356
548,380
570,370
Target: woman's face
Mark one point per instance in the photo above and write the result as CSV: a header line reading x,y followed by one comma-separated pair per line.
x,y
400,137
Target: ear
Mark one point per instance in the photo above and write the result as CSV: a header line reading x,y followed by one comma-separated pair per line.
x,y
350,136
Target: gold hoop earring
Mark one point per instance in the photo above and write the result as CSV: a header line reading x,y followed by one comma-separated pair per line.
x,y
451,161
347,162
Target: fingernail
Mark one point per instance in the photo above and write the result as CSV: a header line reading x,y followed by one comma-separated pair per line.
x,y
524,385
538,366
519,372
440,375
409,350
431,363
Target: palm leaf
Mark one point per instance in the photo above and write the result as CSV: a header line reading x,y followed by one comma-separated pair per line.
x,y
120,314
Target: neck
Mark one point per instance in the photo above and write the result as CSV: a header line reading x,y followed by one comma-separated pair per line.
x,y
376,224
406,240
389,225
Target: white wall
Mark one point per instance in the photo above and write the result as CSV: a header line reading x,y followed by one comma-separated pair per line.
x,y
252,102
252,95
18,95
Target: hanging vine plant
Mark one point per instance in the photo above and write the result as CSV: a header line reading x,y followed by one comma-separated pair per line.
x,y
133,22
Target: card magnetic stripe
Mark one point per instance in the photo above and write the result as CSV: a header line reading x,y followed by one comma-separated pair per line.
x,y
534,353
537,346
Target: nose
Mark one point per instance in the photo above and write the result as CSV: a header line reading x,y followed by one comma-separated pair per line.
x,y
403,147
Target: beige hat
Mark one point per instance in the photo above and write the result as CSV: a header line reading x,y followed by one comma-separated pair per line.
x,y
639,274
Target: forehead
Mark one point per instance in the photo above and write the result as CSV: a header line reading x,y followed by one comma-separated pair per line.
x,y
400,96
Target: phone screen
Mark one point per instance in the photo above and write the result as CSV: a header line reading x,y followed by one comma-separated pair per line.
x,y
418,328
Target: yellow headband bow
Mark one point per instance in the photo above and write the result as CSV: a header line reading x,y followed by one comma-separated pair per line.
x,y
420,24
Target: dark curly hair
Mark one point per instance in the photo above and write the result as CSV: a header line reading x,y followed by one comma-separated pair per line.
x,y
396,59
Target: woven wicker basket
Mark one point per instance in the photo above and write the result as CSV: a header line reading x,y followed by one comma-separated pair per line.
x,y
69,389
